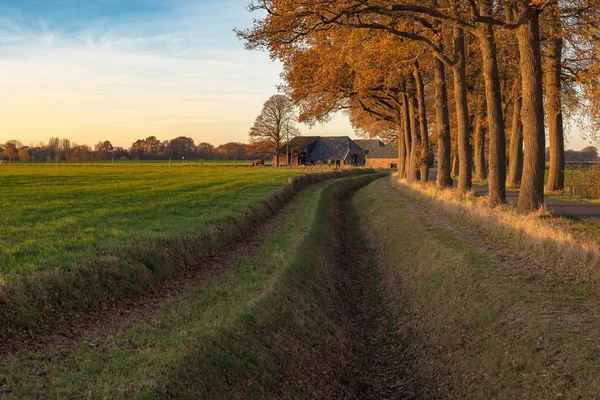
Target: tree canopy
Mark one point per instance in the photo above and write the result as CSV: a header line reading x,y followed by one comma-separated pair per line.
x,y
275,125
498,75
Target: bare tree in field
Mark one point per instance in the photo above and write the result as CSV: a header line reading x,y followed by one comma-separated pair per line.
x,y
275,124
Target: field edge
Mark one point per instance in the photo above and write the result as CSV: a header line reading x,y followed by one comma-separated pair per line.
x,y
29,304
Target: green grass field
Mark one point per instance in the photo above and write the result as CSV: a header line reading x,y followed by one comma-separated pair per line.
x,y
223,337
54,215
174,162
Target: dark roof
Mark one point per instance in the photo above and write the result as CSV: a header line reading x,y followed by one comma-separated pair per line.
x,y
388,151
300,143
332,148
368,145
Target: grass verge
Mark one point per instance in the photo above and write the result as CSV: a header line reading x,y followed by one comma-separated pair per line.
x,y
31,302
479,317
567,247
268,328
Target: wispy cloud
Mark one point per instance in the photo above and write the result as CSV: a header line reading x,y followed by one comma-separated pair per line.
x,y
119,70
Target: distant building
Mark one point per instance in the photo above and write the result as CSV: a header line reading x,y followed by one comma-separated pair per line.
x,y
368,145
320,150
383,157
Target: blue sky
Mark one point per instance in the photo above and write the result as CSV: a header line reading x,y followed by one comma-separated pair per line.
x,y
92,70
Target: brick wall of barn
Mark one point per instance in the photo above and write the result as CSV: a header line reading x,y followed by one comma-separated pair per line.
x,y
283,159
382,162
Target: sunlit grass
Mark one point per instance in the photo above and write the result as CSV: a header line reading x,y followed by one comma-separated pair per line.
x,y
221,337
57,215
569,247
490,307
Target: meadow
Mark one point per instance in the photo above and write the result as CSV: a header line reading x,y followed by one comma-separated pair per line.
x,y
358,288
278,301
175,162
55,215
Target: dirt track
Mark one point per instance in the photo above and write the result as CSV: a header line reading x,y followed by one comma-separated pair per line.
x,y
373,370
469,319
379,367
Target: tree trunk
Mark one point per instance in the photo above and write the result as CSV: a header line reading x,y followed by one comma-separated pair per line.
x,y
454,165
462,113
531,196
444,178
407,132
495,118
479,139
413,170
556,175
516,146
401,145
424,133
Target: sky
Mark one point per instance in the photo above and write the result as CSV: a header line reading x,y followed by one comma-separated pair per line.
x,y
121,70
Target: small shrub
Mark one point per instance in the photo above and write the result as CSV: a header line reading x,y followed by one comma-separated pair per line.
x,y
590,188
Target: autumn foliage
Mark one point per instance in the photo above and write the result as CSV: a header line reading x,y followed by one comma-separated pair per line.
x,y
480,82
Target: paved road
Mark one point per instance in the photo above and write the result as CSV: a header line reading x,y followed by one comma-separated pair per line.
x,y
583,211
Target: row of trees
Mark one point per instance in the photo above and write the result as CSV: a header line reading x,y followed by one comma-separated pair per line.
x,y
144,149
513,68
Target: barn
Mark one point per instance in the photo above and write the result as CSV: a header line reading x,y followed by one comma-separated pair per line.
x,y
320,150
368,145
383,157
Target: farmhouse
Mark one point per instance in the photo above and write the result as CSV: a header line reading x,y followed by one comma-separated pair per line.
x,y
320,150
384,157
368,145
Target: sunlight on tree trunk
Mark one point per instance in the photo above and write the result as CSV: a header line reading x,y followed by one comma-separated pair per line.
x,y
444,178
462,113
479,147
516,145
424,139
531,196
495,119
556,174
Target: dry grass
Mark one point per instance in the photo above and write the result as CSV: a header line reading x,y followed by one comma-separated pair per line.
x,y
566,247
480,318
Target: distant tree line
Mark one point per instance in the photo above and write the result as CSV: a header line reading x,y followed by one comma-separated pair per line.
x,y
588,153
151,148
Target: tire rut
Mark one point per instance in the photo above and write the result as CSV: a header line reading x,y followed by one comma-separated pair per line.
x,y
379,367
